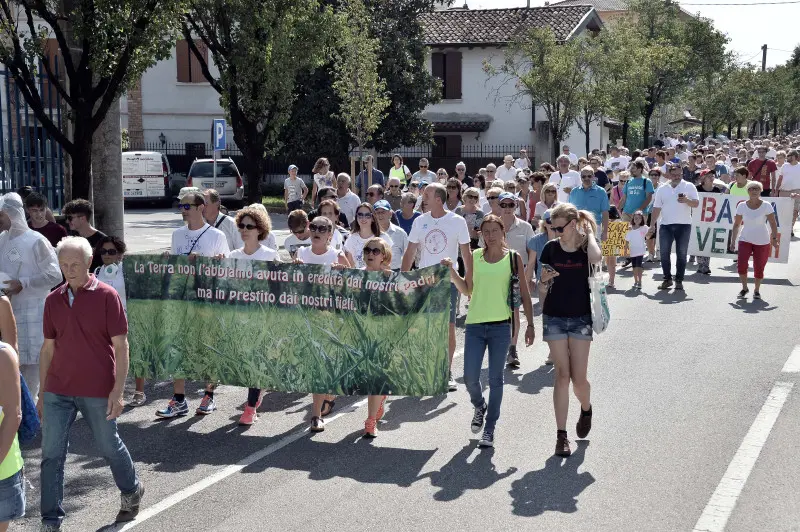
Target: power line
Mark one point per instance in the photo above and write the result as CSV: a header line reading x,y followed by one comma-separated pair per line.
x,y
746,5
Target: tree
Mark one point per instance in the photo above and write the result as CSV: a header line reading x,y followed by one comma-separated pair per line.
x,y
680,45
260,49
595,94
316,126
548,74
104,46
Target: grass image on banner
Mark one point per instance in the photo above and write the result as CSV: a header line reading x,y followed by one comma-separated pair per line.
x,y
330,335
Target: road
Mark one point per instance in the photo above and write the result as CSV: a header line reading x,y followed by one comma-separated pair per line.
x,y
691,393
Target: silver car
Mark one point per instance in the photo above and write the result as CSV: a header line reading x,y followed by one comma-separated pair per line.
x,y
228,181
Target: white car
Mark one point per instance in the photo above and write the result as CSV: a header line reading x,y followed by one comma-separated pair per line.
x,y
145,176
228,182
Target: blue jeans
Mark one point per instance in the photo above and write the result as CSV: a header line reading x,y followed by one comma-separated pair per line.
x,y
12,497
678,233
479,336
59,415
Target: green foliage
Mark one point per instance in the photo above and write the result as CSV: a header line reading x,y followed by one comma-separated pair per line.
x,y
549,74
104,47
362,94
260,49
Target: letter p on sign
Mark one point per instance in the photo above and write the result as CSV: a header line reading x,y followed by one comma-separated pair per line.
x,y
218,134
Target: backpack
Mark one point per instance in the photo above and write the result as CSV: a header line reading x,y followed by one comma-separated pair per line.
x,y
30,425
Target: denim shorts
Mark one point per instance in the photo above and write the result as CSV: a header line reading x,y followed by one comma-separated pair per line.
x,y
453,302
12,497
556,328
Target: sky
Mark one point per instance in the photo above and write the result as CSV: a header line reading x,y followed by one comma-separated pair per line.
x,y
747,26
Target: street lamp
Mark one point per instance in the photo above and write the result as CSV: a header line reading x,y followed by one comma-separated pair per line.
x,y
162,138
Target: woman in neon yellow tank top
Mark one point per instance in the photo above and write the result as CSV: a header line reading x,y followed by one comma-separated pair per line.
x,y
739,187
489,321
12,488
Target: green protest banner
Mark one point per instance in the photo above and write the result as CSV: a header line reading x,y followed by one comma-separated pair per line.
x,y
285,327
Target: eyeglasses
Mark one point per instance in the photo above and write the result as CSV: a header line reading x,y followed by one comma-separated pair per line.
x,y
490,171
491,198
110,252
470,196
559,229
654,174
314,228
184,206
364,215
249,227
441,173
298,231
394,186
507,205
461,169
373,251
452,187
586,176
423,166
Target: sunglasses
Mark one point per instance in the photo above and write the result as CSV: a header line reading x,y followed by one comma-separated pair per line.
x,y
394,186
249,227
318,228
298,231
452,187
654,175
364,215
461,169
184,206
491,198
441,173
489,171
423,166
110,252
507,205
373,251
558,229
587,176
470,196
372,194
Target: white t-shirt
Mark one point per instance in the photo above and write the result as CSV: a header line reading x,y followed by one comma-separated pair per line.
x,y
791,176
292,244
438,238
206,241
270,241
262,253
227,225
541,208
754,223
325,180
571,179
112,276
295,187
506,174
337,240
618,164
354,245
399,245
573,158
636,242
520,163
672,212
331,256
348,204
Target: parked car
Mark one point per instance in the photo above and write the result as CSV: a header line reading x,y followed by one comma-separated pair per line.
x,y
228,182
145,177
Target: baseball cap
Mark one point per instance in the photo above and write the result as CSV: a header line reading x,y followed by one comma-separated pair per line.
x,y
546,216
188,190
382,204
506,195
706,172
423,183
292,167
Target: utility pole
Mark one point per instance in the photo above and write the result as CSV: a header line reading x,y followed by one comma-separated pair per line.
x,y
763,58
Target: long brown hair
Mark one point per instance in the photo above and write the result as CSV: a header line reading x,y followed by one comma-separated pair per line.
x,y
376,229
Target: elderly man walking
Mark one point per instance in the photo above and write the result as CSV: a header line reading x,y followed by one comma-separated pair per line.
x,y
28,258
84,363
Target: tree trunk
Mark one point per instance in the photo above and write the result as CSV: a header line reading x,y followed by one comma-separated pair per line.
x,y
703,128
738,130
254,169
555,148
107,173
625,130
775,125
82,164
587,132
648,114
730,130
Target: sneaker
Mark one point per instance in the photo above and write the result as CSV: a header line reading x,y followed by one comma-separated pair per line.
x,y
451,384
370,429
207,405
626,263
477,419
174,409
317,424
139,398
487,440
650,258
743,292
249,417
562,445
129,507
379,414
756,295
584,423
512,360
692,259
678,285
548,361
666,284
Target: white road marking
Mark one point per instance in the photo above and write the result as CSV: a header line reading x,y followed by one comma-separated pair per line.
x,y
793,362
718,510
247,461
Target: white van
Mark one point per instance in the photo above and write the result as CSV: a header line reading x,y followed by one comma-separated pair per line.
x,y
145,176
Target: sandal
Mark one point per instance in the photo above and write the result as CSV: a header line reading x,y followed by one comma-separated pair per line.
x,y
325,403
139,398
379,415
317,425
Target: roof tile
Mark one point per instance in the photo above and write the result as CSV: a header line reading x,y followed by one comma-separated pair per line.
x,y
496,26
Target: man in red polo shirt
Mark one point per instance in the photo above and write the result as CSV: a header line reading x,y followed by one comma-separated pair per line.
x,y
764,171
83,365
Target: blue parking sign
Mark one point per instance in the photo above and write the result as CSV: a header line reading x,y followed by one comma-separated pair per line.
x,y
218,134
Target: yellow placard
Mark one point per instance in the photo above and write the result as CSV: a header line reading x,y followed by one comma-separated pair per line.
x,y
616,245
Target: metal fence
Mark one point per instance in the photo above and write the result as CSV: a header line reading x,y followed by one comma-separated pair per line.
x,y
475,156
29,155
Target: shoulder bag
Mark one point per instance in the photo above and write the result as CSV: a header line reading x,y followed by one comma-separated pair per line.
x,y
598,300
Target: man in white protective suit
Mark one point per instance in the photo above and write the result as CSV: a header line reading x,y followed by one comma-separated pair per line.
x,y
30,261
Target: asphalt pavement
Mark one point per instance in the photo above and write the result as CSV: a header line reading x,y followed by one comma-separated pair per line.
x,y
688,429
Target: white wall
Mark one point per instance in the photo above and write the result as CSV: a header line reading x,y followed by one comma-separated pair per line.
x,y
182,111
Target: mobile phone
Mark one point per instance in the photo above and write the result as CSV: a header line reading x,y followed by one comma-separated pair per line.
x,y
547,267
681,195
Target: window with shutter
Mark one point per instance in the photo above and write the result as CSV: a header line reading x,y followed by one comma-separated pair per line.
x,y
182,60
437,68
452,70
195,70
49,93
